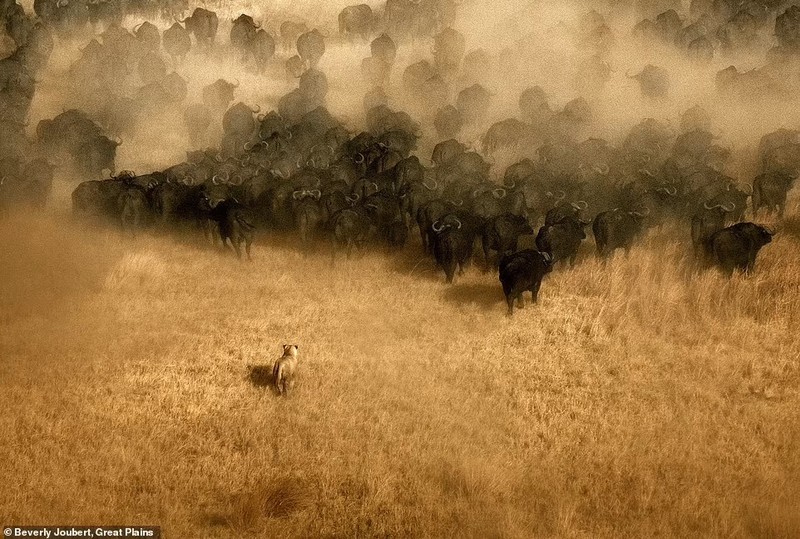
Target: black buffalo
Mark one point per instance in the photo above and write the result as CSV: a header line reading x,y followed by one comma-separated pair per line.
x,y
454,238
502,234
235,224
562,239
523,271
98,198
736,247
429,213
177,41
706,221
356,21
203,24
770,190
616,229
349,228
565,210
133,209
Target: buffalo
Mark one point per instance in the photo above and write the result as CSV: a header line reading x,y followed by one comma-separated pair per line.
x,y
356,21
311,47
770,190
203,24
562,239
235,224
707,221
349,228
453,242
736,247
565,210
133,209
501,234
616,229
653,82
523,272
177,41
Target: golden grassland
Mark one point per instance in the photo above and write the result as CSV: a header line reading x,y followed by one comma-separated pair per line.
x,y
637,399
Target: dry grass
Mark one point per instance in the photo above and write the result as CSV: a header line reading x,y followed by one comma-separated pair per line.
x,y
637,399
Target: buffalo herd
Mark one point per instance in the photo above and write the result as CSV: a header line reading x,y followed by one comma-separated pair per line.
x,y
295,168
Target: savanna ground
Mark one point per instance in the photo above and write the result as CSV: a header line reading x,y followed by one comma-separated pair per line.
x,y
637,399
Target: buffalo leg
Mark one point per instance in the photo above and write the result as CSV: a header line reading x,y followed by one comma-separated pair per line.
x,y
450,270
486,249
535,291
727,269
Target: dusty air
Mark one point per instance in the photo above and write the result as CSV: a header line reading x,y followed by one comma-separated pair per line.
x,y
408,268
